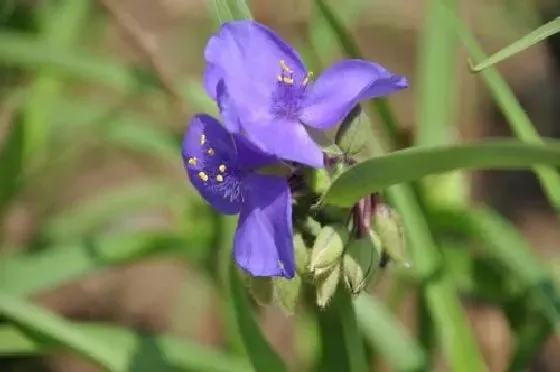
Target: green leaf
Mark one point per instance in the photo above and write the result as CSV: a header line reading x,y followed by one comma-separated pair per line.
x,y
412,164
388,337
54,329
261,354
136,351
532,38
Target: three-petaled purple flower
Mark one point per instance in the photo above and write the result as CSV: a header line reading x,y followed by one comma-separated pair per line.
x,y
272,98
222,167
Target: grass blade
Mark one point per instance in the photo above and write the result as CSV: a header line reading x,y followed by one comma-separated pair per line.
x,y
60,25
55,329
387,336
261,354
136,351
515,115
411,164
29,52
436,86
527,41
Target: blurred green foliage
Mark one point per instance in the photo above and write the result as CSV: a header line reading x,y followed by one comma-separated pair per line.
x,y
67,108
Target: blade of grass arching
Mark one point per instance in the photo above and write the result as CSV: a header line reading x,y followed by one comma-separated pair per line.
x,y
47,326
451,323
136,351
387,336
436,87
60,26
515,115
527,41
414,163
28,274
350,48
107,207
26,51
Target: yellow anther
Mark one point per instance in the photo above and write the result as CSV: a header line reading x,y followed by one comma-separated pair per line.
x,y
280,78
307,77
222,168
288,80
210,151
202,139
220,178
285,66
192,160
203,176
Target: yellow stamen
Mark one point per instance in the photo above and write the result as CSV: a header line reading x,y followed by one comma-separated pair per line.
x,y
284,66
202,139
307,77
192,160
203,176
288,80
219,178
210,151
280,78
222,168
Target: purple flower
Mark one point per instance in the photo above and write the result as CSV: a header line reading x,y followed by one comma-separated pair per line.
x,y
273,94
221,166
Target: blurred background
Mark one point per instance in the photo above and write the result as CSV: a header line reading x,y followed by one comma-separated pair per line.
x,y
104,90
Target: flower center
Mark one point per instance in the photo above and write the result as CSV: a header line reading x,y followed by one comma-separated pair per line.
x,y
218,171
289,92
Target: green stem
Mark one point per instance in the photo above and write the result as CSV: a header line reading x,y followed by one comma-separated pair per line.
x,y
352,337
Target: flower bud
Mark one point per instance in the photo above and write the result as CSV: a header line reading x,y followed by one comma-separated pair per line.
x,y
300,252
328,248
352,133
390,229
286,293
359,263
326,285
318,180
260,288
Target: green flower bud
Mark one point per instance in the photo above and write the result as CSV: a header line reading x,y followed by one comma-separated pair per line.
x,y
328,248
318,180
261,288
359,263
301,256
286,292
390,229
353,132
326,285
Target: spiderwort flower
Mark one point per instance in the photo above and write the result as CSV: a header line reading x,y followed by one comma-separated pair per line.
x,y
273,94
222,167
